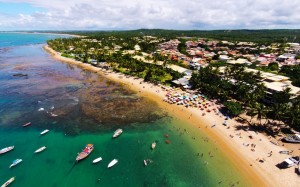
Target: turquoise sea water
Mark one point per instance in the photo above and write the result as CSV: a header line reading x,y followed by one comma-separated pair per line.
x,y
89,109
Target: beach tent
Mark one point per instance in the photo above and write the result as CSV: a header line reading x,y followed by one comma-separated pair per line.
x,y
289,162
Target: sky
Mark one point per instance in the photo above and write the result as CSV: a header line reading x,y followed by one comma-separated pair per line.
x,y
137,14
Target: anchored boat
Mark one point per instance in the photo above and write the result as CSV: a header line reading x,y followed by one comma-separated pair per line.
x,y
40,149
8,182
112,163
97,160
27,124
84,153
6,149
153,145
15,162
44,132
117,133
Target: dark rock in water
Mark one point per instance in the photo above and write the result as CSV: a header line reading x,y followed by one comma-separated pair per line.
x,y
20,75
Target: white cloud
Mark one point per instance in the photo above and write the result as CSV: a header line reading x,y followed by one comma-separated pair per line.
x,y
168,14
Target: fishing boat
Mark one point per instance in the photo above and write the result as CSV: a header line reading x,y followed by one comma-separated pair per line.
x,y
97,160
6,149
40,149
8,182
15,162
27,124
44,132
295,138
145,162
84,153
153,145
117,133
112,163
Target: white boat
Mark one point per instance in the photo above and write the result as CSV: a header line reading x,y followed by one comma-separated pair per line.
x,y
145,162
153,145
85,152
97,160
117,133
294,138
8,182
40,149
112,163
6,149
15,162
44,132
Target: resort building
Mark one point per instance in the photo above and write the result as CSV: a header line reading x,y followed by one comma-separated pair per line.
x,y
276,83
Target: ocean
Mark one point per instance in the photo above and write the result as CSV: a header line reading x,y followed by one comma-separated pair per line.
x,y
80,107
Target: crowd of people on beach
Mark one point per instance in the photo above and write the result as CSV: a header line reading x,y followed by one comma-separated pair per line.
x,y
190,99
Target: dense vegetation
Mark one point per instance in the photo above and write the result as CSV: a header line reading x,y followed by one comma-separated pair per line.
x,y
242,91
293,72
257,36
125,63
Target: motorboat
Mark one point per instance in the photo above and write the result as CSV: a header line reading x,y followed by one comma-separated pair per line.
x,y
6,149
44,132
294,138
27,124
112,163
117,133
15,162
85,152
40,149
97,160
145,162
8,182
153,145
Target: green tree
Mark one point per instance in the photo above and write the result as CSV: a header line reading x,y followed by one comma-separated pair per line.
x,y
273,66
234,108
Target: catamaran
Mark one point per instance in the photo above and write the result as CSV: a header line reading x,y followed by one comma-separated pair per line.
x,y
112,163
117,133
84,153
15,162
6,149
8,182
40,149
44,132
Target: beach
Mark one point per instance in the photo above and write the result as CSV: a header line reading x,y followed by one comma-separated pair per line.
x,y
249,151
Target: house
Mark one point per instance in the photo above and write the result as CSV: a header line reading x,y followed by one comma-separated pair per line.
x,y
224,58
239,61
137,47
182,83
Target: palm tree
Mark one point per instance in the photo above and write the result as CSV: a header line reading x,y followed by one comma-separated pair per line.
x,y
259,110
293,114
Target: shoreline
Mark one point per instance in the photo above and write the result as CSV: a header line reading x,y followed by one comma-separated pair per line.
x,y
230,141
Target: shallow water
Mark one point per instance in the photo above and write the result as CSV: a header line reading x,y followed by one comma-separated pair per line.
x,y
89,108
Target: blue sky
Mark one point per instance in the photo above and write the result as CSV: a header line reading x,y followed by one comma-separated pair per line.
x,y
18,8
136,14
